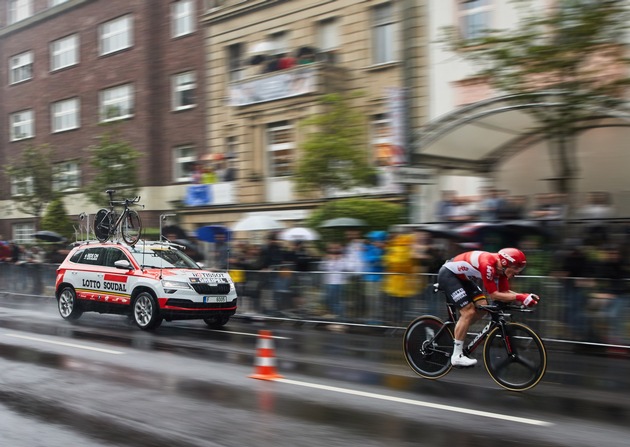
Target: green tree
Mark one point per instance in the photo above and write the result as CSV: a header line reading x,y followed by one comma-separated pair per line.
x,y
574,51
114,162
377,214
56,219
32,176
334,155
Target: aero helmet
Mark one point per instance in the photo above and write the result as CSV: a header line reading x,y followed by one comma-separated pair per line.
x,y
512,257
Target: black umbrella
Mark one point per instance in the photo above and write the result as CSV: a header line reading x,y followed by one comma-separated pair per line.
x,y
440,231
49,236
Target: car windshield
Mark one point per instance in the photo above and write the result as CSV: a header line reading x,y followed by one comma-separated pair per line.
x,y
162,257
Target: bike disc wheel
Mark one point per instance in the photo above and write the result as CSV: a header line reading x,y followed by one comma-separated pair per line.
x,y
427,350
131,227
525,366
102,224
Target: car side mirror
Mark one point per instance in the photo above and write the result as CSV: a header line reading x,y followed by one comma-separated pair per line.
x,y
200,264
123,264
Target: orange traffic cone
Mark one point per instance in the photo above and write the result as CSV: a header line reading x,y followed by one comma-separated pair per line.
x,y
265,358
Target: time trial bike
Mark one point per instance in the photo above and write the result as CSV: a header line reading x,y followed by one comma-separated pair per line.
x,y
513,354
108,222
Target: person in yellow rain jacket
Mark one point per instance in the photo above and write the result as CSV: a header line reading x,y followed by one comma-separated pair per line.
x,y
400,283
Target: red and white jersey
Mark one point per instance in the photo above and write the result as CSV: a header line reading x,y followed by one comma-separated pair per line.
x,y
479,267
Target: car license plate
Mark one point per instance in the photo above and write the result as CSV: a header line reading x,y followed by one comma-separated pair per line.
x,y
214,299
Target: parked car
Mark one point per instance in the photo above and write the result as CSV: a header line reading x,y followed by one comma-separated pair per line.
x,y
150,282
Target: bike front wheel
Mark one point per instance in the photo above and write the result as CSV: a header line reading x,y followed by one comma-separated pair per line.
x,y
516,359
103,222
131,227
428,346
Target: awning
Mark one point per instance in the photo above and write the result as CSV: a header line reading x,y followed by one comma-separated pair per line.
x,y
478,136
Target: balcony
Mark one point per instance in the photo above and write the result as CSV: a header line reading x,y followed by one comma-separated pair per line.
x,y
316,78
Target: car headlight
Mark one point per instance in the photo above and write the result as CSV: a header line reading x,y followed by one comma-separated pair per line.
x,y
170,286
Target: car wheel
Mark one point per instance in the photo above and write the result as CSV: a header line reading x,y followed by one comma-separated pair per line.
x,y
146,312
216,322
68,304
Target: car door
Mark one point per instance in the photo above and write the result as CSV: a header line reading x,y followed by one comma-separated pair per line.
x,y
88,275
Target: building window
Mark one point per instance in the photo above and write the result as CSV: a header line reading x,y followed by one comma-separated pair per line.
x,y
328,34
21,186
21,67
116,35
236,58
66,176
56,2
23,233
384,34
279,42
116,103
184,87
281,149
183,17
65,115
19,10
22,125
64,52
474,18
185,158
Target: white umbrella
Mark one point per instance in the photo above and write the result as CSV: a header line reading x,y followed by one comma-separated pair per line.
x,y
257,223
299,234
342,222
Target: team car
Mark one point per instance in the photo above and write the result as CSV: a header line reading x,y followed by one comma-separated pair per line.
x,y
150,282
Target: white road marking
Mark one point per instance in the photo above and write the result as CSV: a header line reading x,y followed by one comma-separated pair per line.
x,y
221,331
418,403
61,343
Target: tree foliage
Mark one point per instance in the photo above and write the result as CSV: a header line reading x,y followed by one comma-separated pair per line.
x,y
115,167
334,153
377,214
575,51
56,219
32,172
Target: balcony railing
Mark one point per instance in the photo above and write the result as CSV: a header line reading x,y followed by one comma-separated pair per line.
x,y
314,78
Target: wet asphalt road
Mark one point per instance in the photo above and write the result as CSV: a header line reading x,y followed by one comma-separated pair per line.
x,y
105,383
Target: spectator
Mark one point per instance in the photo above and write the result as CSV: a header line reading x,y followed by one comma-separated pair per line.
x,y
221,252
335,280
353,258
444,207
490,205
273,260
373,260
595,213
608,298
400,284
574,269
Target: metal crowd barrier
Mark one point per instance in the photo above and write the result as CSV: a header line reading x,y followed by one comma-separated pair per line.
x,y
574,309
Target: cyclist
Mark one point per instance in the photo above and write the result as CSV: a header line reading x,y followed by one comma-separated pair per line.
x,y
463,277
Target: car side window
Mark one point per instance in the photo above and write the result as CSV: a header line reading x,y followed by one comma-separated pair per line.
x,y
113,255
75,257
93,256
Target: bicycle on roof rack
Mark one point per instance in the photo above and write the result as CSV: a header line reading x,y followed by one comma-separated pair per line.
x,y
108,222
513,354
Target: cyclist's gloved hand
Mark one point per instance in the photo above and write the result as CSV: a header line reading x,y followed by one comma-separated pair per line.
x,y
527,299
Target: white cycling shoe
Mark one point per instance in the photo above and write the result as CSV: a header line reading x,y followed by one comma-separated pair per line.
x,y
462,361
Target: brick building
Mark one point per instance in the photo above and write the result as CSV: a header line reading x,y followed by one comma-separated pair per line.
x,y
69,66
